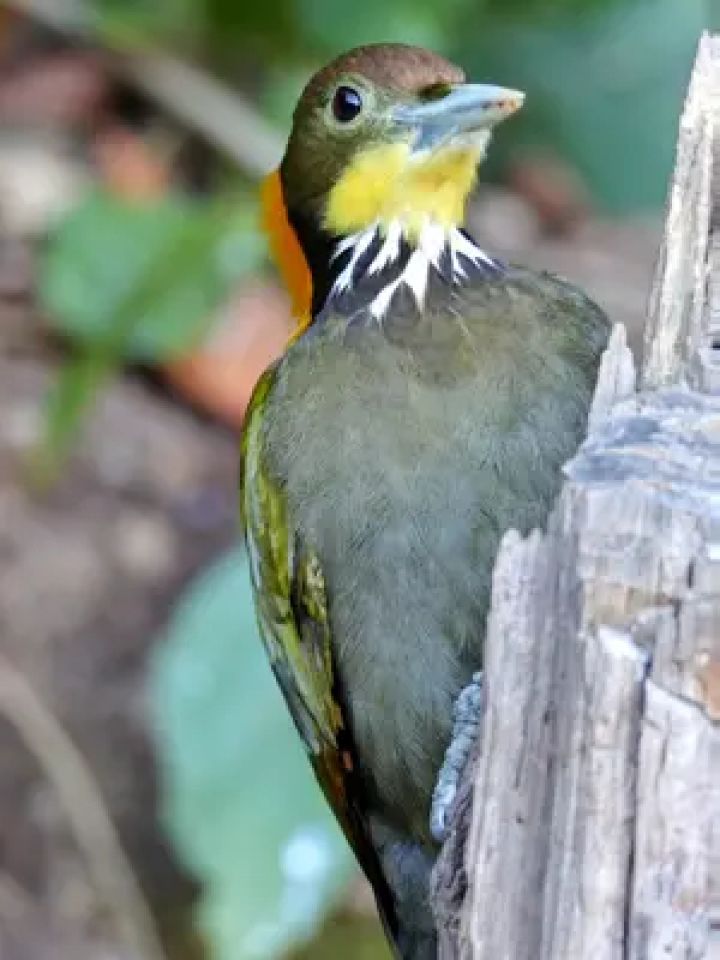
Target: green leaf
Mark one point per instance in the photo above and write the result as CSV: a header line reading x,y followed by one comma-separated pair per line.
x,y
240,801
139,281
143,278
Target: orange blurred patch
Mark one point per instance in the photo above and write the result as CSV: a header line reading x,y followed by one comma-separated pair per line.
x,y
220,375
286,250
129,167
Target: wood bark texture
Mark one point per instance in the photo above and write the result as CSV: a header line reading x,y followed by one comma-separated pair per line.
x,y
588,826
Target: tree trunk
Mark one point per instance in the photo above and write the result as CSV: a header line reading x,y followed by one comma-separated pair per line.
x,y
588,827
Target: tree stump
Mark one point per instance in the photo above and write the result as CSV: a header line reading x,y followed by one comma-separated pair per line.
x,y
589,825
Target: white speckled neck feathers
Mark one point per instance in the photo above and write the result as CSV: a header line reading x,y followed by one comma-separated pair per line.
x,y
385,255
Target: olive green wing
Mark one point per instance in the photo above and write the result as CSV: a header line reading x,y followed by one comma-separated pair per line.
x,y
289,587
292,611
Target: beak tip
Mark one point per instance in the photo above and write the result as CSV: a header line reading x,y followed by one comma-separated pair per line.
x,y
467,108
514,101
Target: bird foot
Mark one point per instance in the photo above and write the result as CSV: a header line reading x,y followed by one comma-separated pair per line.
x,y
467,720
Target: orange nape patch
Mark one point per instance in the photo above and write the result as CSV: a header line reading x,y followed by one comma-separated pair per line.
x,y
286,250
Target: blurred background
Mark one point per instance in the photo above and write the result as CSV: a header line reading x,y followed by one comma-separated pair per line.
x,y
154,802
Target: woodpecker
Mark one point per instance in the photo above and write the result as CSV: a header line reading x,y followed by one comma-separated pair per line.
x,y
425,405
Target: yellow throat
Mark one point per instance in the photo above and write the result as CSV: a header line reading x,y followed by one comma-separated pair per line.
x,y
388,184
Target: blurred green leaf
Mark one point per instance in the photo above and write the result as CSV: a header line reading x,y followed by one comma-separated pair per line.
x,y
146,275
135,281
240,800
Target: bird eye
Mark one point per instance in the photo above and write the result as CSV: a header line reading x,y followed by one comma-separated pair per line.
x,y
346,105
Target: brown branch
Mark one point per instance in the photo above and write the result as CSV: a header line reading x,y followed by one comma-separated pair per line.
x,y
85,809
207,106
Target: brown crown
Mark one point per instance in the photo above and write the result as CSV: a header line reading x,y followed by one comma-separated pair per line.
x,y
395,66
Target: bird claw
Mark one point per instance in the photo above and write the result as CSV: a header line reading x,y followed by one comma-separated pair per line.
x,y
467,721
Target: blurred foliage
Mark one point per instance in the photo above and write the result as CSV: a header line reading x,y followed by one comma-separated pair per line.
x,y
306,29
161,266
240,800
604,91
605,77
135,280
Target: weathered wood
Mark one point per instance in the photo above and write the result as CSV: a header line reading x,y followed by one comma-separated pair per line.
x,y
680,327
590,826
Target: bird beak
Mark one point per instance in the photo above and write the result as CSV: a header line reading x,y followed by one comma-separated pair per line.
x,y
467,109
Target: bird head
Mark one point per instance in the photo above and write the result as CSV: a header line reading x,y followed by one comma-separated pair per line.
x,y
384,135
